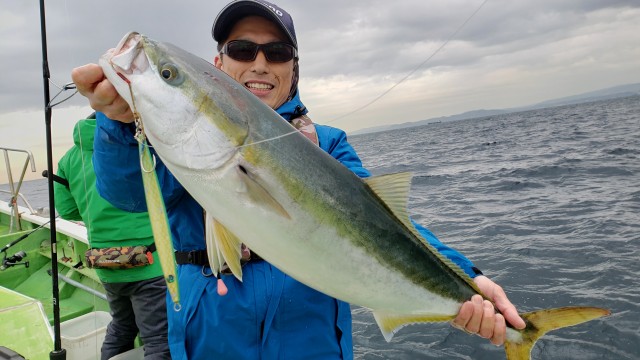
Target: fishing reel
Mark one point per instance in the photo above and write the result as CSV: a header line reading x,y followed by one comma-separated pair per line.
x,y
14,260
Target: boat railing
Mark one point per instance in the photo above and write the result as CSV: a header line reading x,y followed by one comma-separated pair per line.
x,y
14,187
39,211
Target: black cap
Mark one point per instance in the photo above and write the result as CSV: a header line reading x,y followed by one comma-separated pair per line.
x,y
239,9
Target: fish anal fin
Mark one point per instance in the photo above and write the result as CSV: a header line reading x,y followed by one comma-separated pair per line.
x,y
543,321
259,195
389,324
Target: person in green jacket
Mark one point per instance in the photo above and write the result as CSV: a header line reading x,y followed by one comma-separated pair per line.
x,y
135,289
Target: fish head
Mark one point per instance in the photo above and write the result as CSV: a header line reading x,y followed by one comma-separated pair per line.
x,y
182,100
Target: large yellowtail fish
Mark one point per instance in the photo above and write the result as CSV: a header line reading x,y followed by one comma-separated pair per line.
x,y
270,188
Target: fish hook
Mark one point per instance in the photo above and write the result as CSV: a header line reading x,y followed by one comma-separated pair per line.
x,y
139,135
153,158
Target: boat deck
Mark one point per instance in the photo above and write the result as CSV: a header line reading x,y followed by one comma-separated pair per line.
x,y
26,291
16,310
35,280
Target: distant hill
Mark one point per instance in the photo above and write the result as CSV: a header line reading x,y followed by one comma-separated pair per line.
x,y
602,94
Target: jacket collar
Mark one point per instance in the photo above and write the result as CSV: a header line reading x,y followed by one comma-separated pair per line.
x,y
293,108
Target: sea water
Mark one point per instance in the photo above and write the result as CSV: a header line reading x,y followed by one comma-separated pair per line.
x,y
546,202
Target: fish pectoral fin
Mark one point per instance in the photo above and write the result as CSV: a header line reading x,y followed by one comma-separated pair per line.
x,y
213,251
222,247
259,195
543,321
389,324
393,189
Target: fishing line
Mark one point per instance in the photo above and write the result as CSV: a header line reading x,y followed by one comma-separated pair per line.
x,y
67,86
407,76
451,37
70,85
269,139
89,223
84,181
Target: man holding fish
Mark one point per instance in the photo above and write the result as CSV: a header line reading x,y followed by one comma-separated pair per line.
x,y
269,314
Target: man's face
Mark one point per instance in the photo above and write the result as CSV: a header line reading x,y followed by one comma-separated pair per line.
x,y
270,82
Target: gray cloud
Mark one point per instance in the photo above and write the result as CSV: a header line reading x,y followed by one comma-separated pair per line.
x,y
356,40
371,36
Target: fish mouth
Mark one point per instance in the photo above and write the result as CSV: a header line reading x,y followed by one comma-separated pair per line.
x,y
124,61
181,132
129,57
123,66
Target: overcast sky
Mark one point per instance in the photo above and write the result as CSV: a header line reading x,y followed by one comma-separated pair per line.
x,y
511,53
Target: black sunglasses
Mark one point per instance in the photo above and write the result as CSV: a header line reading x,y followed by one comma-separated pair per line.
x,y
243,50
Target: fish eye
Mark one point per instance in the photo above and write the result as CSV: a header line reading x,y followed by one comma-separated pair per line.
x,y
170,74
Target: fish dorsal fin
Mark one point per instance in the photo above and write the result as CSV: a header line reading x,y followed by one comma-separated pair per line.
x,y
393,190
222,247
258,194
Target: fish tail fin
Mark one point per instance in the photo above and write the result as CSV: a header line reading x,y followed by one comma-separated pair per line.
x,y
518,347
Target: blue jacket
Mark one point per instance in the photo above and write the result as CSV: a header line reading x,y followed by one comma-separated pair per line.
x,y
269,315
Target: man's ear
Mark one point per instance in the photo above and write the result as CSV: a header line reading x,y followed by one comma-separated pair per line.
x,y
294,80
217,61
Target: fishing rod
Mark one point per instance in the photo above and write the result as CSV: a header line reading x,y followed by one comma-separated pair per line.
x,y
9,245
58,352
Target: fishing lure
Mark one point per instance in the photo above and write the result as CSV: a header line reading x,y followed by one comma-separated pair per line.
x,y
156,209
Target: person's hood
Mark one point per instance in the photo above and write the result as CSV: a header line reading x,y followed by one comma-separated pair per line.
x,y
293,108
83,133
